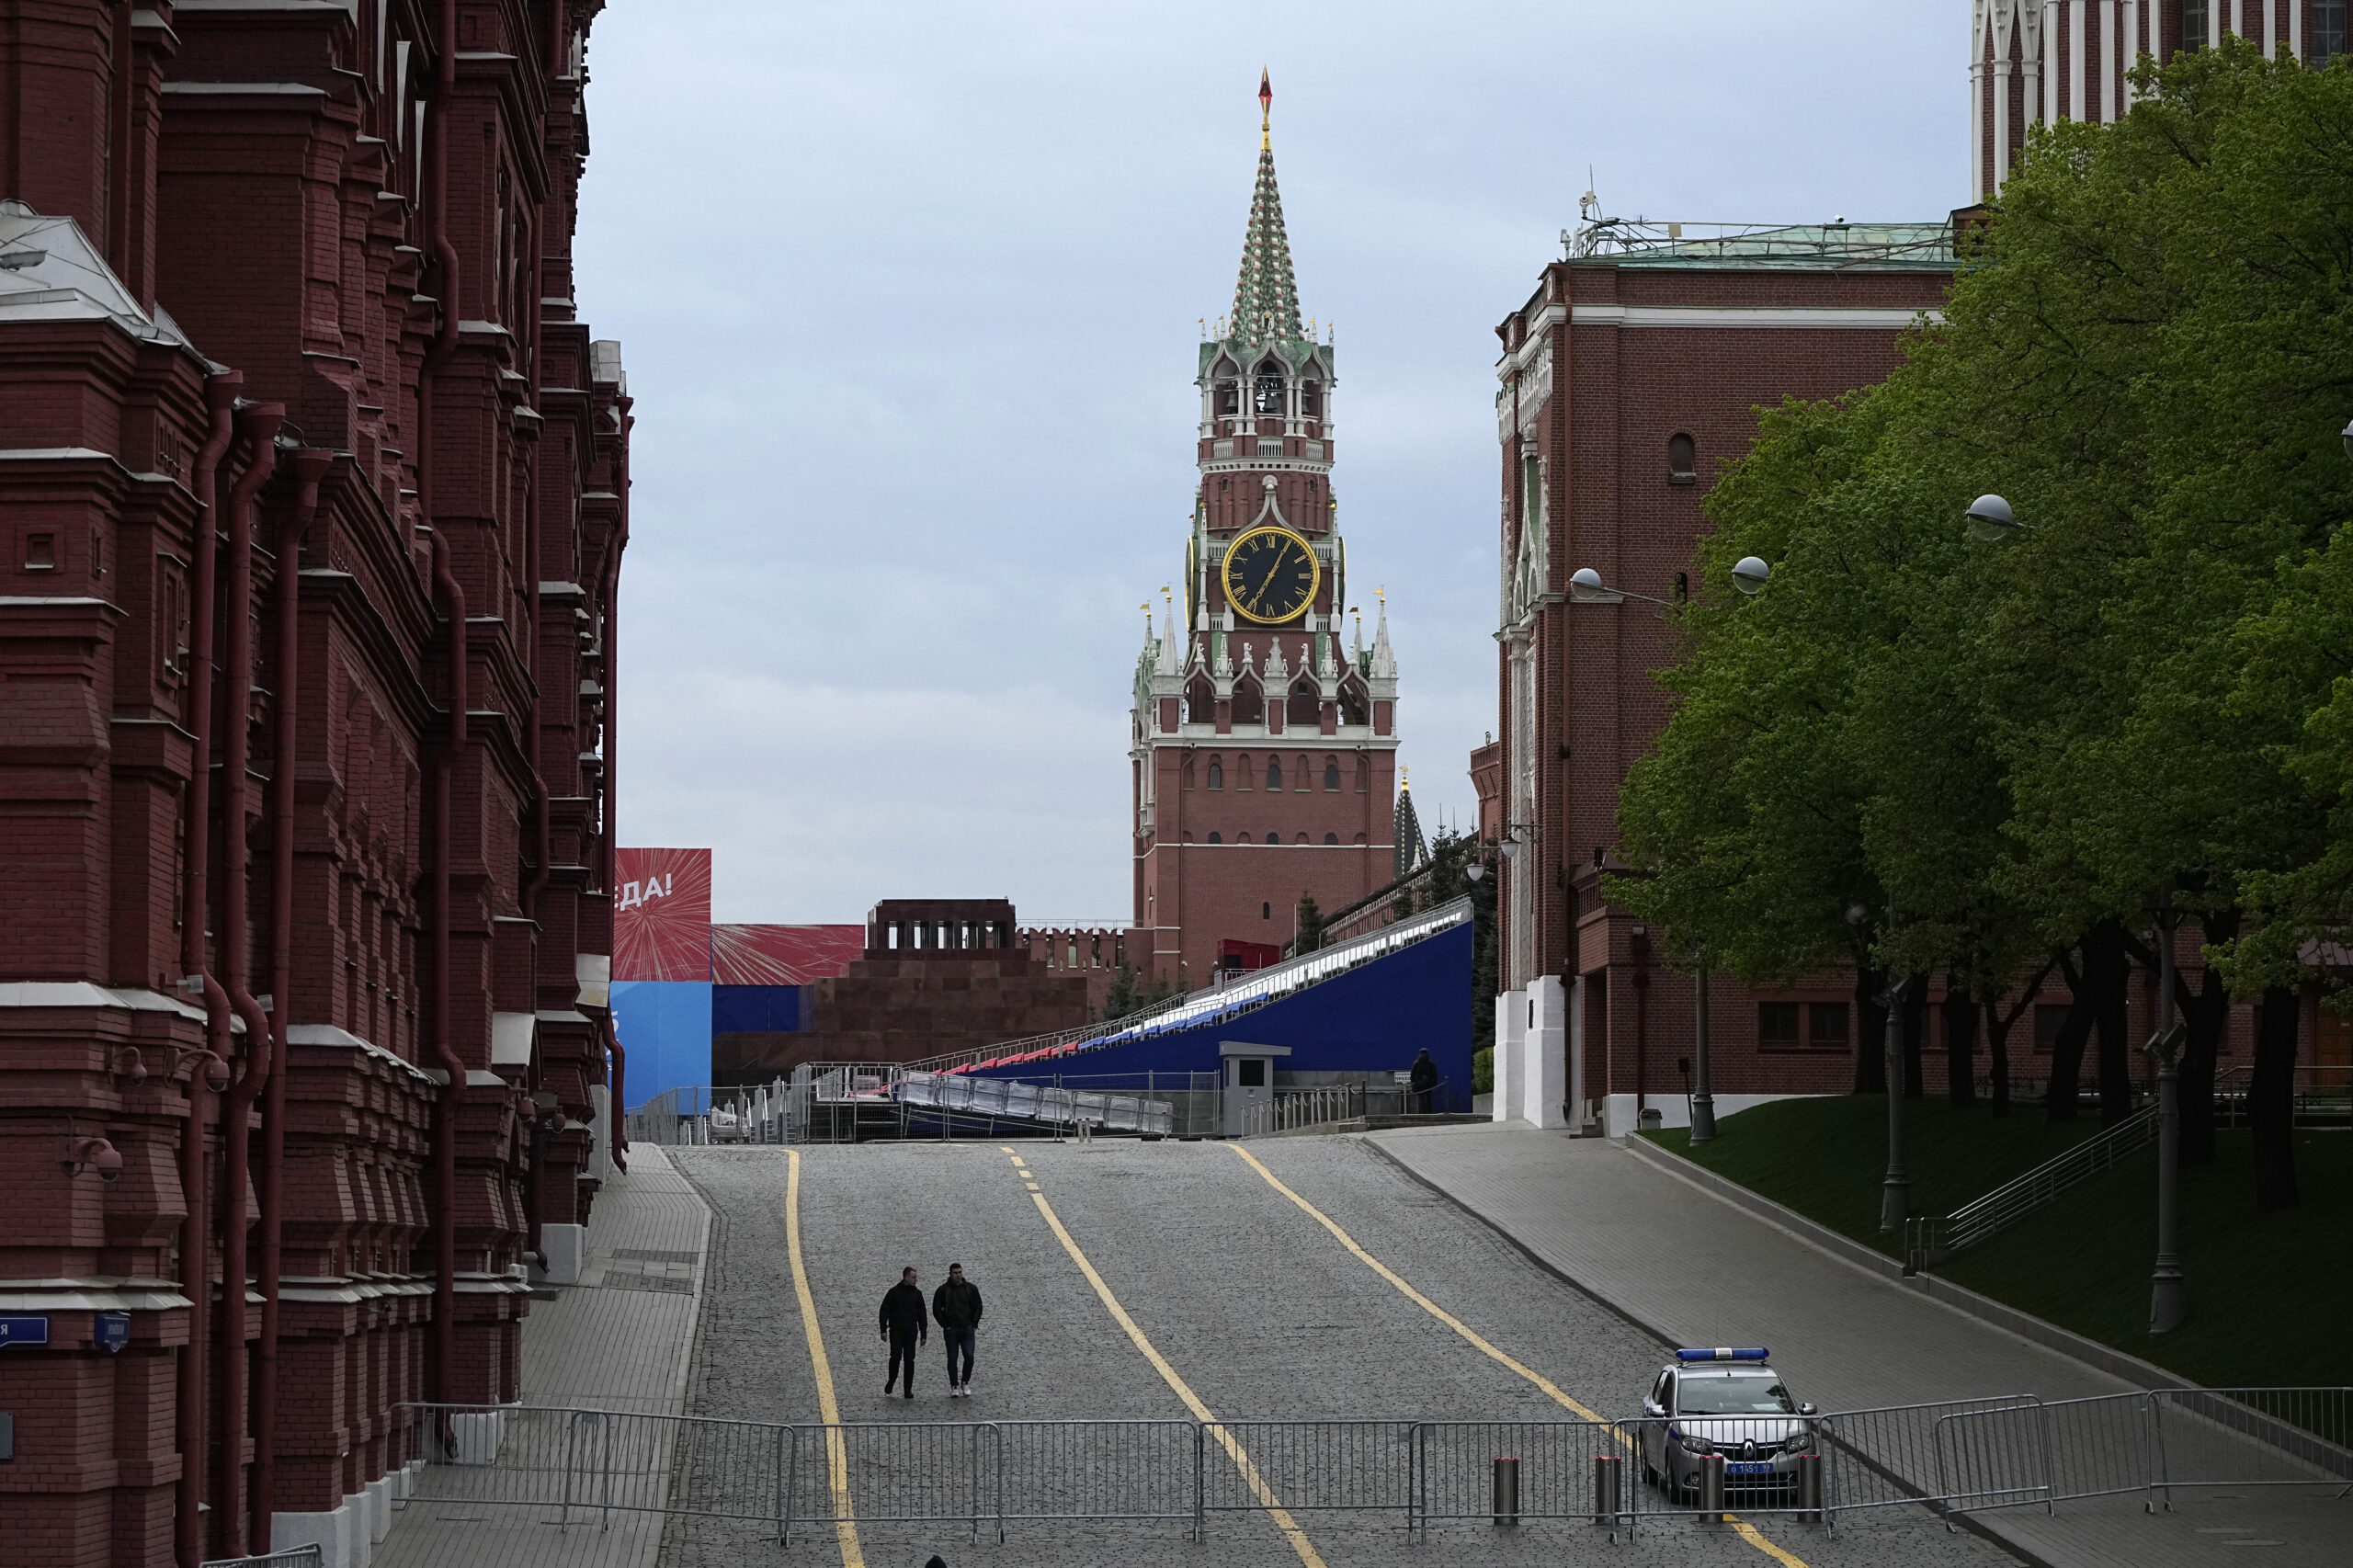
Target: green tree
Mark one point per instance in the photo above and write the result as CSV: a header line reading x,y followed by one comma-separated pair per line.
x,y
1309,922
2017,748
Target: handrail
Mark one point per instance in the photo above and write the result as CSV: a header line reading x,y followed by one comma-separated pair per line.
x,y
1931,1238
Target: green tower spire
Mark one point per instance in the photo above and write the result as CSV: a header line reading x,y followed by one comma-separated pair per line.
x,y
1266,299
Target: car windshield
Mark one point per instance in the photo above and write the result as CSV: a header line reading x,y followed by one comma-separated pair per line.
x,y
1735,1394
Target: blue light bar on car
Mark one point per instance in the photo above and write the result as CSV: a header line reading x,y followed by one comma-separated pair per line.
x,y
1724,1353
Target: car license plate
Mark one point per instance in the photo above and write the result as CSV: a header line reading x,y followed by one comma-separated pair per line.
x,y
1750,1467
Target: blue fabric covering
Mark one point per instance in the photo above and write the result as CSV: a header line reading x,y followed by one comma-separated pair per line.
x,y
1370,1020
665,1028
740,1009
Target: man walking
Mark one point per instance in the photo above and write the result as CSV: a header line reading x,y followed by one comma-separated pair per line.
x,y
957,1305
904,1325
1422,1080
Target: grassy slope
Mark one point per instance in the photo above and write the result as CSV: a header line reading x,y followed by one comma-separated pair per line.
x,y
2268,1292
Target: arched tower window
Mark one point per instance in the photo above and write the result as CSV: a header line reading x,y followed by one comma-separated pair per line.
x,y
1249,702
1331,778
1216,837
1364,774
1267,390
1228,388
1355,707
1299,778
1243,778
1240,838
1682,460
1332,838
1306,703
1311,399
1275,774
1217,774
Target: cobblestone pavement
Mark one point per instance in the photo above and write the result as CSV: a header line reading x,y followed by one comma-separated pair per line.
x,y
1257,1307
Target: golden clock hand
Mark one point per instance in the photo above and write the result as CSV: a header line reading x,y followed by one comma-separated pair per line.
x,y
1271,577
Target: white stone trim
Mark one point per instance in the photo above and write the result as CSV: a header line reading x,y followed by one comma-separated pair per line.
x,y
1729,317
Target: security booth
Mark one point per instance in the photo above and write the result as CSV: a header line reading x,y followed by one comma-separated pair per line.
x,y
1249,1072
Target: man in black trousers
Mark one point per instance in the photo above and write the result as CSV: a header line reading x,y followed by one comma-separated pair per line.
x,y
905,1324
957,1307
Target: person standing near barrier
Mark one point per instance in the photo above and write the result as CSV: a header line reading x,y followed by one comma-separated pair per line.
x,y
956,1305
904,1325
1421,1080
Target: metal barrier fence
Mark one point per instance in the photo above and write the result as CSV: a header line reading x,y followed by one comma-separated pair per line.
x,y
580,1467
293,1557
1331,1105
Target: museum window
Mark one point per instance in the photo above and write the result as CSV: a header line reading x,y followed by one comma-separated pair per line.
x,y
1801,1026
1826,1026
1331,775
2193,25
2327,40
1275,774
2050,1018
1682,460
1777,1026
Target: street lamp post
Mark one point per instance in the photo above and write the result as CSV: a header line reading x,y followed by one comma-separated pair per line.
x,y
2166,1307
1749,574
1895,1188
1704,1100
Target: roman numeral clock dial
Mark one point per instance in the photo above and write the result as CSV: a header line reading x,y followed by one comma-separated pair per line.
x,y
1271,575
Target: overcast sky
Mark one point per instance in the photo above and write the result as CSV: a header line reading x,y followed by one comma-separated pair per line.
x,y
908,296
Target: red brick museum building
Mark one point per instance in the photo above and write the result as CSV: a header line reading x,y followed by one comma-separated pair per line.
x,y
312,499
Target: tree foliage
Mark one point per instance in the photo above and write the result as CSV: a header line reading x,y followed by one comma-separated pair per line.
x,y
2005,751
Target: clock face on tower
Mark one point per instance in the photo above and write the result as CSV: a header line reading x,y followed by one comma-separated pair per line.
x,y
1270,575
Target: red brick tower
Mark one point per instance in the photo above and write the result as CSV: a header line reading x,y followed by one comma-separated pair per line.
x,y
1265,749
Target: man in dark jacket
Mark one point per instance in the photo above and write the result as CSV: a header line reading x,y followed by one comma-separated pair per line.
x,y
904,1325
1422,1080
957,1305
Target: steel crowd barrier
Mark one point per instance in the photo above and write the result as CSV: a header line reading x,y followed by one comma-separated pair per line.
x,y
580,1467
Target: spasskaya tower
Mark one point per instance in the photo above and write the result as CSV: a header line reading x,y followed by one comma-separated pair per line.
x,y
1264,744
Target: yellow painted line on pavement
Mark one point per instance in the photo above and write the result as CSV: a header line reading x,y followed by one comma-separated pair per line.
x,y
1756,1537
1281,1516
1748,1532
829,1408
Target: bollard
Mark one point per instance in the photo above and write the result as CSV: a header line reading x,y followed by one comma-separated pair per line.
x,y
1809,1499
1608,1481
1507,1491
1712,1488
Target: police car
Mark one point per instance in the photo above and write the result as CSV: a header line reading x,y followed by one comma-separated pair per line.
x,y
1724,1401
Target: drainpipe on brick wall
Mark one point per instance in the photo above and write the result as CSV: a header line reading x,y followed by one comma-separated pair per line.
x,y
612,825
258,424
310,465
196,1271
453,606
